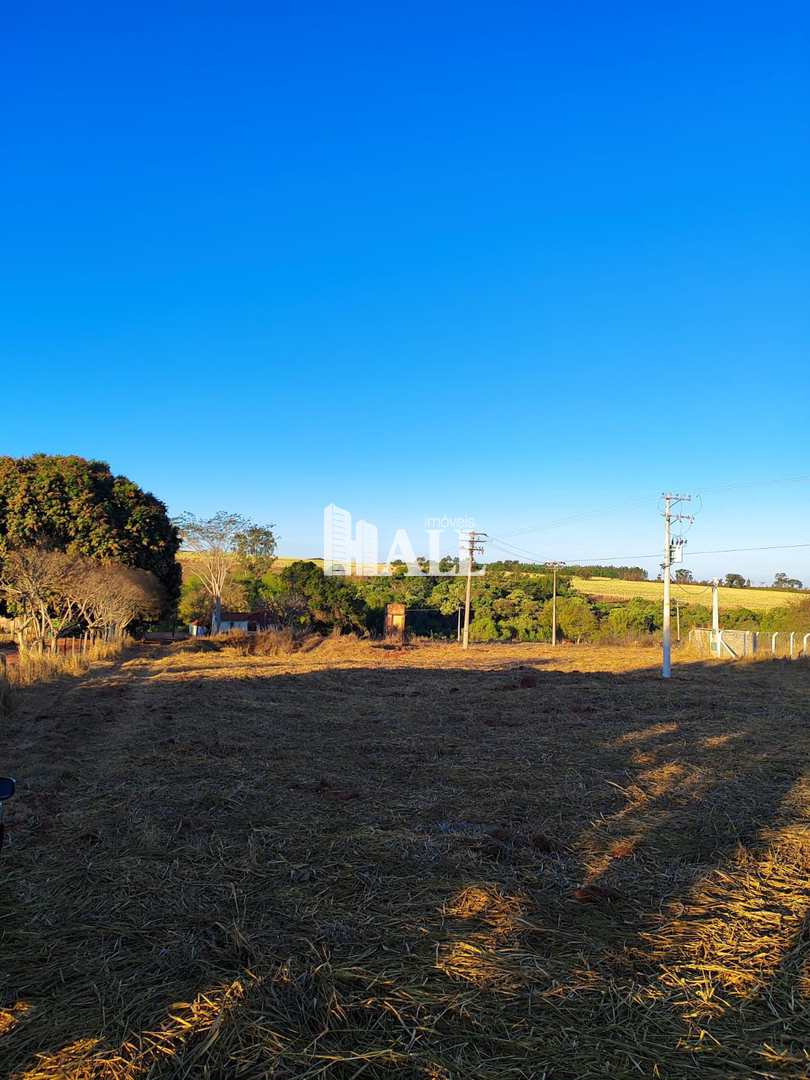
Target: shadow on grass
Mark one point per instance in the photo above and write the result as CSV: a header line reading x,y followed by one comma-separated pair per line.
x,y
409,870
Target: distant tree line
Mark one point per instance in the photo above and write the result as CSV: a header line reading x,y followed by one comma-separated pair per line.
x,y
506,606
511,602
624,573
781,581
684,576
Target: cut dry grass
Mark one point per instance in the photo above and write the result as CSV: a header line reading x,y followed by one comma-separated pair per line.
x,y
5,688
29,668
346,860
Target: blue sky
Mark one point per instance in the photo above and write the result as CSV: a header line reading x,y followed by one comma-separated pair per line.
x,y
517,262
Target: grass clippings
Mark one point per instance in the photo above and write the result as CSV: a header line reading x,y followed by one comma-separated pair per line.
x,y
340,861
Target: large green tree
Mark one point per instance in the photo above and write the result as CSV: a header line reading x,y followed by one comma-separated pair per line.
x,y
68,503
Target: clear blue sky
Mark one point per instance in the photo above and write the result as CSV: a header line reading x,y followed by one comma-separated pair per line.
x,y
516,261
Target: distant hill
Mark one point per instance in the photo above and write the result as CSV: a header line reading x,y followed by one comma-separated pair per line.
x,y
188,558
755,599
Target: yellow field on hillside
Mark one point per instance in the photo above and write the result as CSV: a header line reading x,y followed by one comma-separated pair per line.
x,y
188,558
755,599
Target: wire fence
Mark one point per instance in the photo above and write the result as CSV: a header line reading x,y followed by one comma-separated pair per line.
x,y
738,644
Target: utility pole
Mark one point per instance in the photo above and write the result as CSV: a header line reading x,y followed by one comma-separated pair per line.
x,y
715,616
475,543
670,556
554,568
666,665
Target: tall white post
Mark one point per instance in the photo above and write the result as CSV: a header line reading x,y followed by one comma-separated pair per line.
x,y
666,666
465,641
473,544
716,616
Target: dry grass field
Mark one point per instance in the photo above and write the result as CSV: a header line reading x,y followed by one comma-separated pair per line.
x,y
754,599
360,862
187,559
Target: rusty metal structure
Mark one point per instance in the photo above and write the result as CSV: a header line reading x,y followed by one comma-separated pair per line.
x,y
395,622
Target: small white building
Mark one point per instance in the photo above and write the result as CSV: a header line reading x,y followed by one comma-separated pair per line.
x,y
248,621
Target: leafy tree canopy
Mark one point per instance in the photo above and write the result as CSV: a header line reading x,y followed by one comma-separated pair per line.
x,y
70,504
782,581
735,581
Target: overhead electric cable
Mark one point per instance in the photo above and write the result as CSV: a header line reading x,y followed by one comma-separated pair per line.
x,y
583,559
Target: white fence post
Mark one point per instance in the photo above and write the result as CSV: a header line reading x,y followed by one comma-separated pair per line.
x,y
792,639
804,644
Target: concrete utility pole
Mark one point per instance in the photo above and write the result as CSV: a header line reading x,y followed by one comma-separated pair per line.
x,y
666,665
475,543
669,554
715,616
554,567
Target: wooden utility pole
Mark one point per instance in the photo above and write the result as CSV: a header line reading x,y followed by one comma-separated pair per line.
x,y
475,542
715,609
554,567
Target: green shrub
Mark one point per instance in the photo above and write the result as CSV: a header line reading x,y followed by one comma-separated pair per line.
x,y
484,628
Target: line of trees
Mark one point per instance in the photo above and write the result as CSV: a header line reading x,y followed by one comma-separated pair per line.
x,y
781,581
82,551
53,593
506,607
79,507
623,573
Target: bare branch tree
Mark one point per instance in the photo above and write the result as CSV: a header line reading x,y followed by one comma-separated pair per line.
x,y
216,541
110,597
33,580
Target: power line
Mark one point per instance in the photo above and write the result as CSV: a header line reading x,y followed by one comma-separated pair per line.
x,y
583,559
764,547
681,586
758,483
621,507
